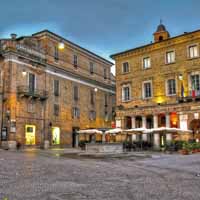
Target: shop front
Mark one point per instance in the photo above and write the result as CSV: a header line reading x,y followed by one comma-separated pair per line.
x,y
30,131
55,136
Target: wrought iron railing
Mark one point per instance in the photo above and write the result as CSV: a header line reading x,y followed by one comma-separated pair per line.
x,y
192,95
34,93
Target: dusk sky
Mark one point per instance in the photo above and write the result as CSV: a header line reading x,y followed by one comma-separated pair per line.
x,y
104,26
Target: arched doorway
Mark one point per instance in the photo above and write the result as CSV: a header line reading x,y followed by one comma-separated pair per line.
x,y
128,123
138,122
161,120
149,120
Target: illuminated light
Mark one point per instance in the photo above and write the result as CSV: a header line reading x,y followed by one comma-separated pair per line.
x,y
174,119
162,141
30,134
196,115
160,100
61,45
96,89
24,73
55,135
180,76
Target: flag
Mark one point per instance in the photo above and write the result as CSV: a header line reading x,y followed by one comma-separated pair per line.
x,y
182,90
193,89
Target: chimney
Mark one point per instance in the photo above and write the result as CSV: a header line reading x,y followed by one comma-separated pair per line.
x,y
13,36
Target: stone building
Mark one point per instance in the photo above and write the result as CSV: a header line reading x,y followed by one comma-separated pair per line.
x,y
50,88
158,84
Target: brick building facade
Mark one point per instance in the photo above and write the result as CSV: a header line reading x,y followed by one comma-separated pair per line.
x,y
158,84
50,87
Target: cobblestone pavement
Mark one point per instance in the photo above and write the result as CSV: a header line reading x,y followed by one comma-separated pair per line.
x,y
42,176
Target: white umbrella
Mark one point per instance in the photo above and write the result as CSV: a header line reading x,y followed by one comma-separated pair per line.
x,y
90,131
114,131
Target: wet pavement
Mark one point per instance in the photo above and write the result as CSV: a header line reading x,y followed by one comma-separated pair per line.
x,y
65,175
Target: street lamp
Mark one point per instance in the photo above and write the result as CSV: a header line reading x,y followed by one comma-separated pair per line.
x,y
180,77
61,45
24,73
96,89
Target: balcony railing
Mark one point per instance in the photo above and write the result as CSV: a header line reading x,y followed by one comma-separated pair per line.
x,y
190,97
23,49
25,91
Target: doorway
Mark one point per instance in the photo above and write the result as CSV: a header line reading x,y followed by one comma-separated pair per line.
x,y
55,135
30,134
128,122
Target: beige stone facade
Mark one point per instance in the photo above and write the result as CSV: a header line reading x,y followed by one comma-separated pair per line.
x,y
50,87
158,83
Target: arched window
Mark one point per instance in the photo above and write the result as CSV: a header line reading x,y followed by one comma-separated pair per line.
x,y
160,38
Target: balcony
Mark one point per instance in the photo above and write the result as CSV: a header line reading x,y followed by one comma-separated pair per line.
x,y
24,91
191,97
23,50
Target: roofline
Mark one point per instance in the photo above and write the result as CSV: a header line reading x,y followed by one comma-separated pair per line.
x,y
140,47
56,35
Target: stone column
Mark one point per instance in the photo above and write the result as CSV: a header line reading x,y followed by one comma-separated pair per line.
x,y
155,121
118,123
77,140
143,122
134,137
103,138
168,137
167,118
156,141
144,137
133,122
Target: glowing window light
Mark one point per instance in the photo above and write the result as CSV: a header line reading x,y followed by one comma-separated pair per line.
x,y
61,45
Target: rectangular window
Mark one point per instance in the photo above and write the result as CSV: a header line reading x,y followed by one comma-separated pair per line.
x,y
56,110
92,97
147,90
91,68
171,87
106,100
146,63
75,93
92,115
193,51
125,67
56,87
126,93
75,62
31,82
170,57
75,112
31,107
195,83
105,73
56,56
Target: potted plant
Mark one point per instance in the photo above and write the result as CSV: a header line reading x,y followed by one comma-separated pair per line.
x,y
185,149
194,147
